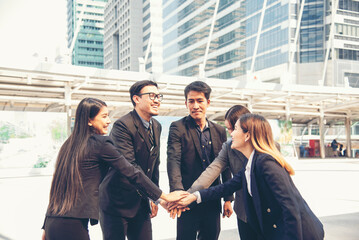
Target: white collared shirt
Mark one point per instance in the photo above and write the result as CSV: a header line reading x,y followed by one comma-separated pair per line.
x,y
248,172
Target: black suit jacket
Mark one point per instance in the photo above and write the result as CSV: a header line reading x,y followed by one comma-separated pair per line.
x,y
101,155
281,211
184,155
117,195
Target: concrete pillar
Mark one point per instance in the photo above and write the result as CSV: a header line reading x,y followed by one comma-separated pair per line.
x,y
348,137
141,64
321,133
68,120
68,107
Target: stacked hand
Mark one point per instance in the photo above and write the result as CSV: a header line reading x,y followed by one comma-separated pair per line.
x,y
177,207
174,196
181,205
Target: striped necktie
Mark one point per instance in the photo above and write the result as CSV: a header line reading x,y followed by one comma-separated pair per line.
x,y
150,135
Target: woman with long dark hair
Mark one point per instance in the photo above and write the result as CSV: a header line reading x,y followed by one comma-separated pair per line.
x,y
274,206
82,162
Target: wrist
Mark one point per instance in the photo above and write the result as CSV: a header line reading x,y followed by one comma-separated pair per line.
x,y
164,197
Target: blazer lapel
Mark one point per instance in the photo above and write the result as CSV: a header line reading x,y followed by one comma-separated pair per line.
x,y
255,192
192,129
141,129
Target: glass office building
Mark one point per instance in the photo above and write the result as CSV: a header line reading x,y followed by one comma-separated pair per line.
x,y
133,30
258,40
85,24
152,35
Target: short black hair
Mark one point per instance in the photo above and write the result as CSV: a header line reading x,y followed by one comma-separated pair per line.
x,y
198,86
234,113
136,88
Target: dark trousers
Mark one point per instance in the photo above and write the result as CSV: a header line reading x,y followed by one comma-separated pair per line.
x,y
246,232
59,228
204,219
117,228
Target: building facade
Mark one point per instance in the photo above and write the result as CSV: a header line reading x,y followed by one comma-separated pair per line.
x,y
133,35
152,35
258,40
85,26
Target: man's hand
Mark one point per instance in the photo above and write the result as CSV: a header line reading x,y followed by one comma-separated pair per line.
x,y
154,210
164,204
178,211
174,196
227,209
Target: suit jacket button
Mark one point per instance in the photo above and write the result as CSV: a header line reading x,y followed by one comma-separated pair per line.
x,y
274,226
268,210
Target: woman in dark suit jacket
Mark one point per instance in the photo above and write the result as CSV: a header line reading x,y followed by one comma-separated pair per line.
x,y
82,162
273,204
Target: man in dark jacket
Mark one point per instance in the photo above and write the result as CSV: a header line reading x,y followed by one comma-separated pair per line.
x,y
123,210
193,143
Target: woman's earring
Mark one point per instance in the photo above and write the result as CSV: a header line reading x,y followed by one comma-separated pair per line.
x,y
245,140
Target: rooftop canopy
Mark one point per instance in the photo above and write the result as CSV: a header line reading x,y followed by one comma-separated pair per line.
x,y
58,87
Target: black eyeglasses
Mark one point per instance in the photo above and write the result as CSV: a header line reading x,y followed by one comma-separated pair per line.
x,y
153,96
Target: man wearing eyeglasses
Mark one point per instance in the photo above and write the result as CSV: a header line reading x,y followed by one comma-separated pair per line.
x,y
123,211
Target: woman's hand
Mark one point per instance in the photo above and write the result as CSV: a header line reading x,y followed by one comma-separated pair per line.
x,y
174,196
184,202
187,200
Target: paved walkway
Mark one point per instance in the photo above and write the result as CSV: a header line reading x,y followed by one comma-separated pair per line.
x,y
330,187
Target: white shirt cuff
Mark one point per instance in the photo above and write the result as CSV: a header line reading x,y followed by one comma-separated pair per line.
x,y
198,195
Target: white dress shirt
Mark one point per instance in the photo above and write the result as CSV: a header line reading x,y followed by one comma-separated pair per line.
x,y
248,172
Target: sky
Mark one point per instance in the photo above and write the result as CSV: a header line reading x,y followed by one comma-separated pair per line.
x,y
31,26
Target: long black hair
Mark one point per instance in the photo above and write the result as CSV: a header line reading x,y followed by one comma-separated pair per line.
x,y
67,182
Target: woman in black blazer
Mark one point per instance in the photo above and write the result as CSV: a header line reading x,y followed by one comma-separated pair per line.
x,y
81,164
273,204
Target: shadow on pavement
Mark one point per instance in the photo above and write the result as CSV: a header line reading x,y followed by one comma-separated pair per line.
x,y
344,227
2,237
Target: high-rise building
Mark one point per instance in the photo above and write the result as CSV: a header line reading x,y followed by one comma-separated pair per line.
x,y
258,40
133,31
152,35
85,23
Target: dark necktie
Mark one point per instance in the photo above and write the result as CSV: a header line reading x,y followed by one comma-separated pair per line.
x,y
150,136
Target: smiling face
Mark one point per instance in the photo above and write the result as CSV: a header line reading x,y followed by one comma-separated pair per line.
x,y
146,107
240,139
101,121
197,105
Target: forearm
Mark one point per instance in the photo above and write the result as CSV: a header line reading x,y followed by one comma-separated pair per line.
x,y
222,190
227,176
213,171
208,176
174,158
174,171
